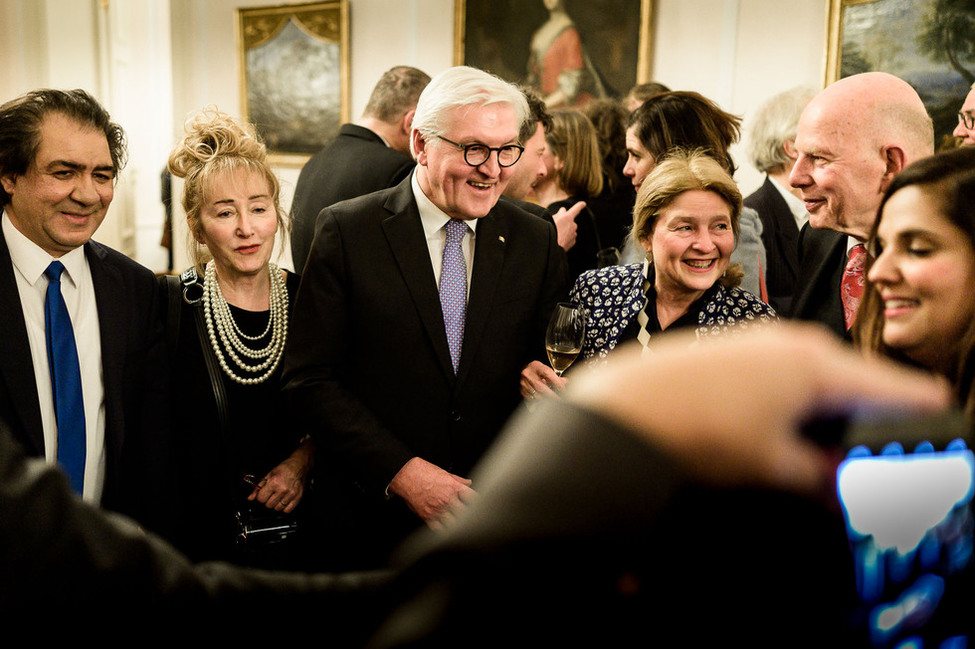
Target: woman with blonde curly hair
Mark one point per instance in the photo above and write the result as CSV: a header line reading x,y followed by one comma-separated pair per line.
x,y
243,466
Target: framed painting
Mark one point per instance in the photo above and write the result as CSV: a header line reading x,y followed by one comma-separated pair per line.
x,y
294,62
569,51
928,43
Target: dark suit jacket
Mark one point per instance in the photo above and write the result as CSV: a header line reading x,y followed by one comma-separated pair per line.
x,y
822,259
133,376
781,238
367,365
355,163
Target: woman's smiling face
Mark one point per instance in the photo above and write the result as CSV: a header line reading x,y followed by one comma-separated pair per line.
x,y
691,243
924,271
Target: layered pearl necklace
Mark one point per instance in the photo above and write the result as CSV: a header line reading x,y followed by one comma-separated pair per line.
x,y
222,328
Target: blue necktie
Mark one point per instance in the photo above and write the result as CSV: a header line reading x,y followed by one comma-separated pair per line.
x,y
453,288
62,357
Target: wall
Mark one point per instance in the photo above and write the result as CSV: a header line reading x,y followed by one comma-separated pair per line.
x,y
152,76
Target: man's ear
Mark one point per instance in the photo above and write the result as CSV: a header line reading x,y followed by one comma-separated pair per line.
x,y
407,122
789,146
8,181
894,160
419,146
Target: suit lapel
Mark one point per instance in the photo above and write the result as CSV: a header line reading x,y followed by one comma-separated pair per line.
x,y
111,326
787,231
16,364
489,254
404,234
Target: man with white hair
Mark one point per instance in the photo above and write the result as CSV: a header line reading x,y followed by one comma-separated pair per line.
x,y
420,306
853,138
771,147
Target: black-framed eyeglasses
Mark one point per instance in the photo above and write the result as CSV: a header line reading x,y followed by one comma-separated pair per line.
x,y
967,118
477,154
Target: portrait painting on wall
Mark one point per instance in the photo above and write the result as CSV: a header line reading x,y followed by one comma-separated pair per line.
x,y
294,60
928,43
569,51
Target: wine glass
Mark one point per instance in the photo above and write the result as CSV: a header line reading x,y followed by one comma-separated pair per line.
x,y
563,339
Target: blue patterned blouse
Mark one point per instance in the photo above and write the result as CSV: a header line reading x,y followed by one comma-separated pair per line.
x,y
613,296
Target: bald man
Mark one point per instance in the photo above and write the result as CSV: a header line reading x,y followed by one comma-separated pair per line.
x,y
853,138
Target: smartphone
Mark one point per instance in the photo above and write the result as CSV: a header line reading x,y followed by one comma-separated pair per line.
x,y
906,487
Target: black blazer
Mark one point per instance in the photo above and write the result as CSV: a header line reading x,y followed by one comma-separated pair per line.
x,y
822,260
355,163
781,238
367,366
133,377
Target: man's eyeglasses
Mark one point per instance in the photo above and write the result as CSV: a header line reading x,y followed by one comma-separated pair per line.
x,y
477,154
967,118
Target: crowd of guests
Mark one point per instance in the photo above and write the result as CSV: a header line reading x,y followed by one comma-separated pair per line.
x,y
316,420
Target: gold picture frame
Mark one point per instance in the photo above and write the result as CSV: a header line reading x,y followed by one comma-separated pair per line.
x,y
895,36
499,36
294,66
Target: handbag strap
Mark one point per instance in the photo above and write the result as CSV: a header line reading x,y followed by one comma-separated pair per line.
x,y
192,294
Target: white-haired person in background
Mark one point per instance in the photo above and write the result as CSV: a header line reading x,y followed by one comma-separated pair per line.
x,y
771,148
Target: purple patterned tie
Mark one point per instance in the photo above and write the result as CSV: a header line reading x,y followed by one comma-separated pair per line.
x,y
453,288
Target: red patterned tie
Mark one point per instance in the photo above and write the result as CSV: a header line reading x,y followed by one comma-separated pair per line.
x,y
851,288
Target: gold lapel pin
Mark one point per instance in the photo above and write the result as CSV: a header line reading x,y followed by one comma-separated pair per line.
x,y
501,239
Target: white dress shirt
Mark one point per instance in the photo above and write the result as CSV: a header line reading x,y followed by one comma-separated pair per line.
x,y
433,220
796,206
30,262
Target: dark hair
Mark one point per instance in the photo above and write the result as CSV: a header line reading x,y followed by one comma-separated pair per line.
x,y
688,120
20,128
609,118
396,93
537,112
948,180
644,91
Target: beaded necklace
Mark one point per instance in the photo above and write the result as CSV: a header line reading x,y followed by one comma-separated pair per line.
x,y
222,328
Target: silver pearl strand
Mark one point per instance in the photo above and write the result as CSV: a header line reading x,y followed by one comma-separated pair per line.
x,y
220,323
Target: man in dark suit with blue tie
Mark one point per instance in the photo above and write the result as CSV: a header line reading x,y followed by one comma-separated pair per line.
x,y
853,138
81,360
369,155
403,395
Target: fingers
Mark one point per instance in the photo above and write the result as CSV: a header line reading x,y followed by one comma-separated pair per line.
x,y
737,416
538,379
275,493
576,209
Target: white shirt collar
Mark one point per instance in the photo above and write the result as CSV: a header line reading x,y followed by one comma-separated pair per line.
x,y
30,260
795,204
432,217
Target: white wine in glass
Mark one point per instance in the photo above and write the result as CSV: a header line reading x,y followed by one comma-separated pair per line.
x,y
563,340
